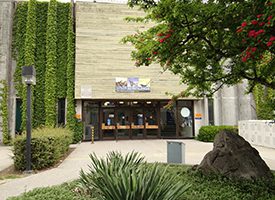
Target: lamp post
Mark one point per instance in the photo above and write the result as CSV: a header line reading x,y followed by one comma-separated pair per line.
x,y
28,78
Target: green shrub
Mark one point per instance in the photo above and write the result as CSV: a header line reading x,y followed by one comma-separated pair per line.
x,y
129,178
48,145
77,132
208,133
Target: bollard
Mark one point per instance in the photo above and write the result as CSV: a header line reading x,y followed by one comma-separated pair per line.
x,y
93,133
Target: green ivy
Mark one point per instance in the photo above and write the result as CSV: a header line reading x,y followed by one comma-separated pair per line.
x,y
265,102
61,68
51,56
47,48
4,112
29,52
40,63
18,48
72,123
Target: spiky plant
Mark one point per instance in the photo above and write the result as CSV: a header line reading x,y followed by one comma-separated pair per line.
x,y
129,178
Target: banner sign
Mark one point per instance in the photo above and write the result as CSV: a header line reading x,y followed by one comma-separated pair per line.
x,y
132,84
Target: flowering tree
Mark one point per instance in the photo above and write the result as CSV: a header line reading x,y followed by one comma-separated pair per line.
x,y
208,43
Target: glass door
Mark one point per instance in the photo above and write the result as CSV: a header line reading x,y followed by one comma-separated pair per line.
x,y
137,124
151,120
108,125
123,120
167,120
91,115
185,119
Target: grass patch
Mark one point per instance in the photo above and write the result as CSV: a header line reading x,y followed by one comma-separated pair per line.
x,y
202,188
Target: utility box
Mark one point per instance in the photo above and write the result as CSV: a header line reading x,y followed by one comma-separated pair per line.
x,y
175,152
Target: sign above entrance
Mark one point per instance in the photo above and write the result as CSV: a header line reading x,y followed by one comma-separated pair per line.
x,y
132,84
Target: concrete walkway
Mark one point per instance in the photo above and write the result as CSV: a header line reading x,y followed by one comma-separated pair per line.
x,y
153,150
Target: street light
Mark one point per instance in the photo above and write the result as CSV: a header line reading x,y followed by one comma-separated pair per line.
x,y
28,78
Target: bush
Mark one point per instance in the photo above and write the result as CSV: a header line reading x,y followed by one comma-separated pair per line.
x,y
208,133
48,145
130,178
77,132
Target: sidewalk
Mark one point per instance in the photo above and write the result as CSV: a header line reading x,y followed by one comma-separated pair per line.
x,y
153,150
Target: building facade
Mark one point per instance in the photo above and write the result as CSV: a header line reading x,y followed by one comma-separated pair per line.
x,y
114,98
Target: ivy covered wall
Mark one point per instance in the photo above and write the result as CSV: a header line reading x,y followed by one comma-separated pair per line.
x,y
41,38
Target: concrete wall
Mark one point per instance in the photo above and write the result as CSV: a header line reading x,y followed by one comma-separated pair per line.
x,y
100,57
258,132
232,104
6,64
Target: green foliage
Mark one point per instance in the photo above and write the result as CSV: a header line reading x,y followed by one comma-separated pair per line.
x,y
4,94
208,133
48,146
29,52
40,64
197,40
129,178
203,188
61,192
72,123
220,188
61,67
51,56
77,132
265,102
18,48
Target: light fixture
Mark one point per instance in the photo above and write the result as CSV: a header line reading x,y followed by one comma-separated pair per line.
x,y
135,102
28,75
121,102
28,78
148,102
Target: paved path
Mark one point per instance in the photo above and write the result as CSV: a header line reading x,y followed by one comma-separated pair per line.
x,y
153,150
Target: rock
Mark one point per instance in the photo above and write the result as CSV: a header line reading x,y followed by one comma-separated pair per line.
x,y
232,156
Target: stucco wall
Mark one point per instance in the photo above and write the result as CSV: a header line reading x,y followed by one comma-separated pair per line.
x,y
100,57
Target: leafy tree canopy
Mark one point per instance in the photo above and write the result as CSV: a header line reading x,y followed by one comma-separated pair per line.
x,y
206,42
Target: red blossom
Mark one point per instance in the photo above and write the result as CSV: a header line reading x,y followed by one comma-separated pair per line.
x,y
251,33
162,40
243,41
261,24
272,38
259,16
244,24
155,52
253,49
244,59
148,58
269,43
254,22
269,3
168,35
269,18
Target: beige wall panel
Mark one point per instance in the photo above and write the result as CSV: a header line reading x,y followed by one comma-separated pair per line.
x,y
100,57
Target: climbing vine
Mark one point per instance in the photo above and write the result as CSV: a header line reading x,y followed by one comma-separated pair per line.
x,y
49,45
62,24
50,76
72,123
29,55
4,112
40,64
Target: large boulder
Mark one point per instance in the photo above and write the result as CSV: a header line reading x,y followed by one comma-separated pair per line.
x,y
232,156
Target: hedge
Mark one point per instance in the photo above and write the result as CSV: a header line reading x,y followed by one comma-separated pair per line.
x,y
48,145
208,133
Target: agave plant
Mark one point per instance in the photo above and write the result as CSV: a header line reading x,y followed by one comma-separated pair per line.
x,y
129,178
